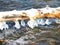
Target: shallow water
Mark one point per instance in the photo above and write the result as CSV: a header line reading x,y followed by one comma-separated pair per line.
x,y
49,33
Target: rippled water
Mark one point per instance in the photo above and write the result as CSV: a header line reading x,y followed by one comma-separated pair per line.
x,y
26,4
7,5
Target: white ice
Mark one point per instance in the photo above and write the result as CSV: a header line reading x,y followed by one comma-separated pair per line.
x,y
3,25
22,23
17,25
10,13
48,21
38,20
48,10
42,22
32,23
31,12
7,13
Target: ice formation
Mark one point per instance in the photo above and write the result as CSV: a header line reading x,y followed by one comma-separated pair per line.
x,y
17,25
42,22
23,23
32,23
44,15
31,12
48,22
3,25
48,9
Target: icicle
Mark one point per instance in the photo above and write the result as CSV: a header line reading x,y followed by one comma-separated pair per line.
x,y
23,23
42,22
38,21
32,23
48,21
3,25
17,25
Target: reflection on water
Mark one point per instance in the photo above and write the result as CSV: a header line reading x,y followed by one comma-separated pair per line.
x,y
45,35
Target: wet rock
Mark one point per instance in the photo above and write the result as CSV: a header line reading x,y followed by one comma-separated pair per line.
x,y
11,42
21,41
1,36
52,42
45,32
57,21
27,39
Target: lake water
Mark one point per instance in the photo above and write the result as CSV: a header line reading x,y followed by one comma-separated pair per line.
x,y
26,4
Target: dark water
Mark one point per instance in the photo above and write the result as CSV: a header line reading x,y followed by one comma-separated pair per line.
x,y
7,5
26,4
